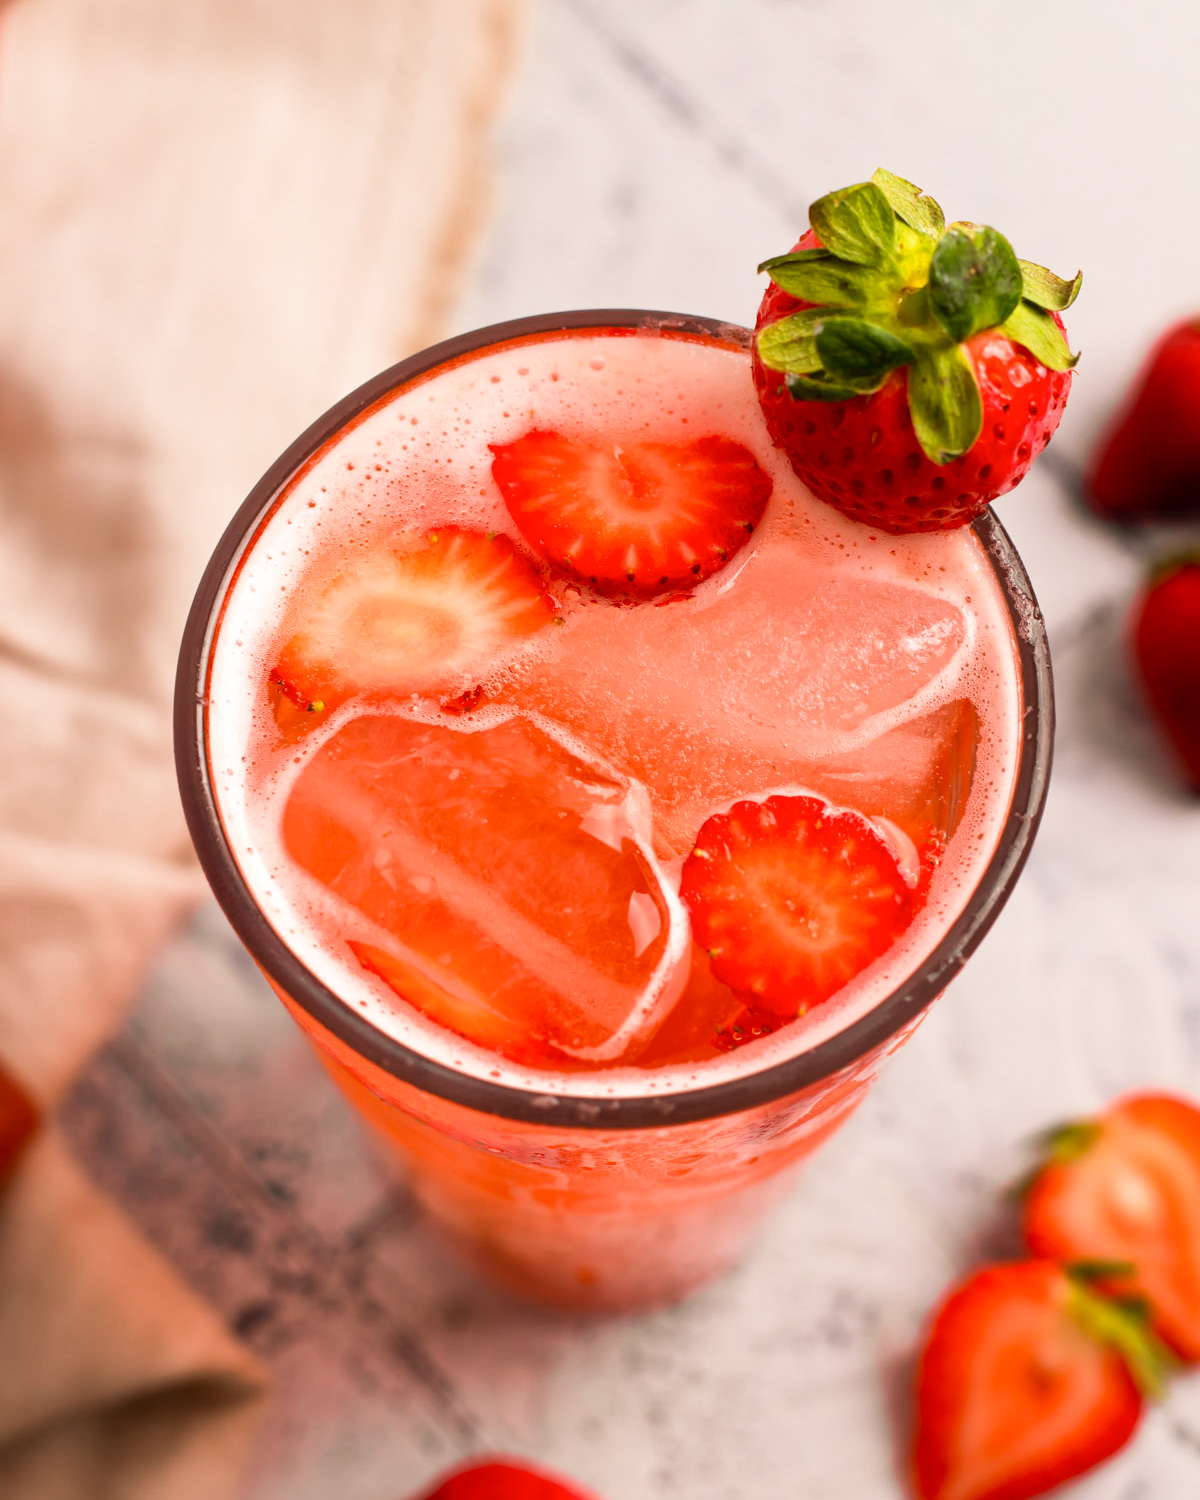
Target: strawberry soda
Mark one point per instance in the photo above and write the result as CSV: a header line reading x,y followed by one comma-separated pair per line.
x,y
469,879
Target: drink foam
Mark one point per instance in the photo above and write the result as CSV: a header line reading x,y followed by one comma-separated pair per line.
x,y
420,459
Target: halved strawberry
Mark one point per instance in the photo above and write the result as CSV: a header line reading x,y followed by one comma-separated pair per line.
x,y
793,898
633,519
1027,1379
1125,1188
409,616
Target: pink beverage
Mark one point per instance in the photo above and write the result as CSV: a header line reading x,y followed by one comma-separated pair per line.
x,y
482,849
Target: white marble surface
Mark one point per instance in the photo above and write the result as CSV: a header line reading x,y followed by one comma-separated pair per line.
x,y
653,152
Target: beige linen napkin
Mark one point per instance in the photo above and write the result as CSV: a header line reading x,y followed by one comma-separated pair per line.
x,y
216,217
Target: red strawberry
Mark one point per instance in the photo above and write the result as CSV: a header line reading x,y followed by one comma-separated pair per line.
x,y
793,898
1027,1379
1147,465
633,519
1125,1188
1166,651
411,616
911,372
502,1479
18,1120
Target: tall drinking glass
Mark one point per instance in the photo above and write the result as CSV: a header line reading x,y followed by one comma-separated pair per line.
x,y
574,1196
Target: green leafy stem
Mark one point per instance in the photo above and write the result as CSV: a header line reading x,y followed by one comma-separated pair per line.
x,y
893,287
1124,1323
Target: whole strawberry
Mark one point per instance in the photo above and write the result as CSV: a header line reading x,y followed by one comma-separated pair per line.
x,y
1147,466
911,372
1166,650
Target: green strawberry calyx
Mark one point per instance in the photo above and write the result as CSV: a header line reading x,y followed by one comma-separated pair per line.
x,y
892,286
1067,1142
1122,1322
1173,562
1056,1147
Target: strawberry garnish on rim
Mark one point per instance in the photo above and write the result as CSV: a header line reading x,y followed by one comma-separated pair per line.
x,y
1028,1379
1123,1190
793,898
910,371
413,615
632,519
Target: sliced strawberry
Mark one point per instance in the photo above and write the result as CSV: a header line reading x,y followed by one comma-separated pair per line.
x,y
293,720
502,1479
1028,1378
793,898
634,519
1125,1187
412,616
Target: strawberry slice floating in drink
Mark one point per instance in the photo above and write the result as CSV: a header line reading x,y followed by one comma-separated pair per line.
x,y
793,898
416,615
632,519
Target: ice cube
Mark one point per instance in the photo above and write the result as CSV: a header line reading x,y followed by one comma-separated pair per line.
x,y
792,665
917,775
509,883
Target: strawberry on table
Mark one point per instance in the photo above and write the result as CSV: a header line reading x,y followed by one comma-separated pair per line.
x,y
793,898
632,519
411,615
18,1121
1166,650
1028,1378
503,1479
910,371
1124,1188
1147,465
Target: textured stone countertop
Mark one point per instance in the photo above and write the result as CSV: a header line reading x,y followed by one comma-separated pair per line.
x,y
652,153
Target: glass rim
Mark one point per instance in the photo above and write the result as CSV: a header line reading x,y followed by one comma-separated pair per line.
x,y
778,1079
